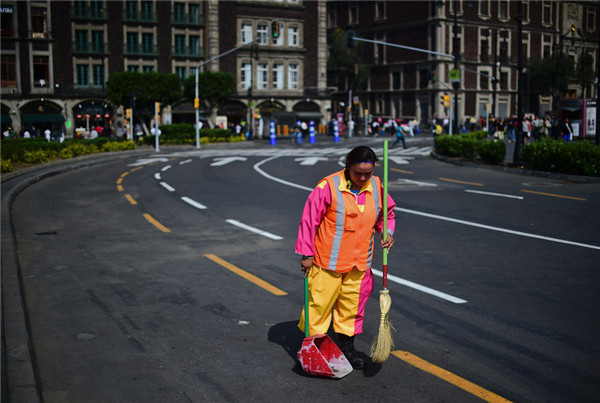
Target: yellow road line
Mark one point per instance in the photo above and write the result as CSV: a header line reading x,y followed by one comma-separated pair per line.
x,y
120,188
449,377
250,277
131,199
137,168
463,182
156,223
120,180
402,171
553,195
124,174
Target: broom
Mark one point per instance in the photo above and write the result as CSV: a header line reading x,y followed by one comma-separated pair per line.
x,y
383,342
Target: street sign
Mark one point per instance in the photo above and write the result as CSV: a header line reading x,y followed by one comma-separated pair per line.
x,y
454,76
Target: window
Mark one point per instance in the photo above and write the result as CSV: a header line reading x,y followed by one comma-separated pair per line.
x,y
81,41
293,77
96,9
590,19
83,75
547,13
484,80
246,75
41,71
131,10
179,13
484,8
80,8
353,13
194,13
194,42
6,25
484,49
395,80
262,80
38,22
180,45
263,34
9,70
503,80
380,10
147,12
293,36
98,75
278,76
133,69
503,53
147,43
180,71
503,9
147,69
98,41
246,33
132,42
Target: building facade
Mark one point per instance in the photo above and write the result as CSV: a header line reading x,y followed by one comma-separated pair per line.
x,y
409,83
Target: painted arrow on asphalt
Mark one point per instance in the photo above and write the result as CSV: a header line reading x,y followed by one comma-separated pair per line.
x,y
399,160
226,160
309,160
147,161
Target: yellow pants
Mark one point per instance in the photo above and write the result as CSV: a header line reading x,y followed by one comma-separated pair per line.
x,y
345,294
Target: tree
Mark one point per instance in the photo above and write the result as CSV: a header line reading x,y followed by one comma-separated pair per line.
x,y
148,88
550,76
343,60
584,72
214,88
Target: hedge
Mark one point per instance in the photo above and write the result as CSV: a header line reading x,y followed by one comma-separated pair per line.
x,y
185,133
574,158
470,146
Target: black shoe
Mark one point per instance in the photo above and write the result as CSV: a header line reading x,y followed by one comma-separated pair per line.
x,y
347,347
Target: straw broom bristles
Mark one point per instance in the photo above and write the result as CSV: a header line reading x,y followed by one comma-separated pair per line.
x,y
383,343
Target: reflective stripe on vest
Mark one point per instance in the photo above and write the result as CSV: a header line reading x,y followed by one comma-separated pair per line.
x,y
344,239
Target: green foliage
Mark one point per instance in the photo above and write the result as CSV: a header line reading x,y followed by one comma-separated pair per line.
x,y
584,72
76,150
214,88
6,165
548,75
117,146
491,151
575,158
342,59
185,133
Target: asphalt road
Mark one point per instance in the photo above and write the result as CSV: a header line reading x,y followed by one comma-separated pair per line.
x,y
135,277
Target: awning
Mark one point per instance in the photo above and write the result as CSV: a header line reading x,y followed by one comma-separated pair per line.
x,y
6,119
309,115
42,118
571,108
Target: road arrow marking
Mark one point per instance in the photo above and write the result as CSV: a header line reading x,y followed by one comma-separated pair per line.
x,y
226,160
399,160
147,161
310,160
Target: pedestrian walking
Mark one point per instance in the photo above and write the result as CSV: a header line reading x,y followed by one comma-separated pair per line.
x,y
336,239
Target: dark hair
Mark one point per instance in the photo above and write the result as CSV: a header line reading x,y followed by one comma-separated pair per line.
x,y
360,154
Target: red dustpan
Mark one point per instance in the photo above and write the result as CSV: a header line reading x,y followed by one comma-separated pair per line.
x,y
319,355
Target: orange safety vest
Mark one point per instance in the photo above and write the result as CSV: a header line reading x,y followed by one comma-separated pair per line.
x,y
344,239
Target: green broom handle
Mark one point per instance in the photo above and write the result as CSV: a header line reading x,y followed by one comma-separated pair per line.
x,y
306,326
385,209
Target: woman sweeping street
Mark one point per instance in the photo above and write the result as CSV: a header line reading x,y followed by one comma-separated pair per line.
x,y
336,239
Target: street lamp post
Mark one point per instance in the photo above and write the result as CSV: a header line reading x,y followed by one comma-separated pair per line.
x,y
520,86
455,53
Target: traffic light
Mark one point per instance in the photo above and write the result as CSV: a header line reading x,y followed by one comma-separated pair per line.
x,y
350,42
275,29
196,103
446,99
433,76
128,113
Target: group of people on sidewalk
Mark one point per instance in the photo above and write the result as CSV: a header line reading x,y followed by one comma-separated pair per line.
x,y
533,127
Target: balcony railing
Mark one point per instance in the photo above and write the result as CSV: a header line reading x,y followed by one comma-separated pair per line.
x,y
89,14
187,51
139,50
186,19
129,16
89,48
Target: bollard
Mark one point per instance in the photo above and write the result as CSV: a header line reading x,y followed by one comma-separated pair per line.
x,y
336,132
272,130
312,138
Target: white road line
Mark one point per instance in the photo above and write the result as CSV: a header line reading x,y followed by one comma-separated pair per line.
x,y
185,162
489,227
255,230
165,168
266,175
420,287
167,186
193,203
157,176
418,183
494,194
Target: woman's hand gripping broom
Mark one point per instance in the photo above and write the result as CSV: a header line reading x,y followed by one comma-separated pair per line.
x,y
383,342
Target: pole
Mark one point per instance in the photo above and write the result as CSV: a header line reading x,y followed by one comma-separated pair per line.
x,y
519,128
349,112
598,94
156,142
455,52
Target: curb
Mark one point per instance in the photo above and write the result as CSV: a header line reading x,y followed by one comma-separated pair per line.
x,y
515,170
